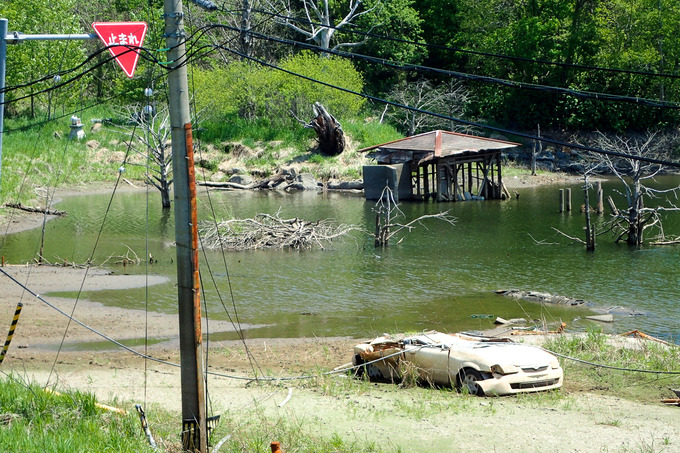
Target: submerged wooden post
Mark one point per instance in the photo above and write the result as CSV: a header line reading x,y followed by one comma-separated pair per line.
x,y
561,200
568,200
600,202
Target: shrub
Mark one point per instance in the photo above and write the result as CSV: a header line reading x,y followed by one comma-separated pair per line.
x,y
255,92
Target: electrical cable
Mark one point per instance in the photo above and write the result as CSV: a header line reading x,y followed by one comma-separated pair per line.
x,y
89,261
610,367
466,122
270,379
581,94
467,51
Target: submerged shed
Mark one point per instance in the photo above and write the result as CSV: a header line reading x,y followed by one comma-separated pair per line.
x,y
442,165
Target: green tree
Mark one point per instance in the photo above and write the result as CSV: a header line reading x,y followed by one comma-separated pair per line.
x,y
400,23
32,60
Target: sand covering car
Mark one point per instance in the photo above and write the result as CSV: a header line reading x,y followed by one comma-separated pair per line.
x,y
482,365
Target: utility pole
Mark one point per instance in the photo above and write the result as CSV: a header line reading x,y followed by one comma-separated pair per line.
x,y
3,59
194,426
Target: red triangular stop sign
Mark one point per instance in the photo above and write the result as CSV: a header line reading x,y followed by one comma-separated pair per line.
x,y
123,37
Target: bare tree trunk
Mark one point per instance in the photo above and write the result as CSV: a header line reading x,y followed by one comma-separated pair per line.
x,y
635,236
244,37
537,149
590,230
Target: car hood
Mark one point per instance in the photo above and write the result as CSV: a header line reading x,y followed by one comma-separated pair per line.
x,y
520,355
487,352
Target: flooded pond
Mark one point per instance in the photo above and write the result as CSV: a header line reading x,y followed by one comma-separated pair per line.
x,y
438,277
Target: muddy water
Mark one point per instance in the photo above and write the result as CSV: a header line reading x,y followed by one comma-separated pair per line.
x,y
438,277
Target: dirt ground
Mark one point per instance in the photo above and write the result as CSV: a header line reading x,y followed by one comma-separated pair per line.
x,y
396,420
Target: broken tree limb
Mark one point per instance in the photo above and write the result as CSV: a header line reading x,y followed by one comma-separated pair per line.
x,y
387,209
581,241
35,209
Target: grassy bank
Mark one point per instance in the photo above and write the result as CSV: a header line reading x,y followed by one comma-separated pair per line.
x,y
651,358
35,420
38,156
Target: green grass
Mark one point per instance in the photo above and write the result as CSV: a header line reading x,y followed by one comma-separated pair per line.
x,y
35,420
599,348
42,157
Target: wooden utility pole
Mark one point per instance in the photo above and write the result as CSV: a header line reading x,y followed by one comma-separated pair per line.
x,y
194,428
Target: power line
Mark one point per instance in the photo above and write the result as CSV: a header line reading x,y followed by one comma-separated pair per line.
x,y
467,51
462,121
471,77
192,55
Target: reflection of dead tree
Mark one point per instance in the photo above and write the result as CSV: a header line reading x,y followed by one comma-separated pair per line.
x,y
630,223
269,231
387,210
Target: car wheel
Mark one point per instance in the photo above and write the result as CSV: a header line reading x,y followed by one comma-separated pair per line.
x,y
468,378
357,362
373,372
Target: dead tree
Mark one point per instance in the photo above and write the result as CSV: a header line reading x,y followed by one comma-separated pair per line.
x,y
449,99
330,136
629,224
319,25
387,210
150,137
589,228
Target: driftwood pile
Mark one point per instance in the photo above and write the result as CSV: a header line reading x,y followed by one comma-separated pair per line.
x,y
269,231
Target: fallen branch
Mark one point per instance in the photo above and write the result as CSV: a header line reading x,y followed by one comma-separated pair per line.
x,y
581,241
228,185
665,243
35,209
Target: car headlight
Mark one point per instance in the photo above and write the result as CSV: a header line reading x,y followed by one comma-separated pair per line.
x,y
555,364
504,369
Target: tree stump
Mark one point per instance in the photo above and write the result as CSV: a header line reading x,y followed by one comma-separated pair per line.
x,y
328,130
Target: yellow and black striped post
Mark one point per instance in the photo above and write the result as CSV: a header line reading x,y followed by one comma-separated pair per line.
x,y
11,331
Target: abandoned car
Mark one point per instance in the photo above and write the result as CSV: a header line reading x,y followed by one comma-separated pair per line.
x,y
481,365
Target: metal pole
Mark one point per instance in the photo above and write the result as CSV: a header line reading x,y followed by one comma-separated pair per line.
x,y
16,38
3,59
194,432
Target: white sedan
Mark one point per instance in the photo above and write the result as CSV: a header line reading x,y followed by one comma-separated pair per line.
x,y
482,365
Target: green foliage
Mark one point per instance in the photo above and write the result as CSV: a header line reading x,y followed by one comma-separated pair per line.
x,y
618,34
256,92
32,60
395,19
